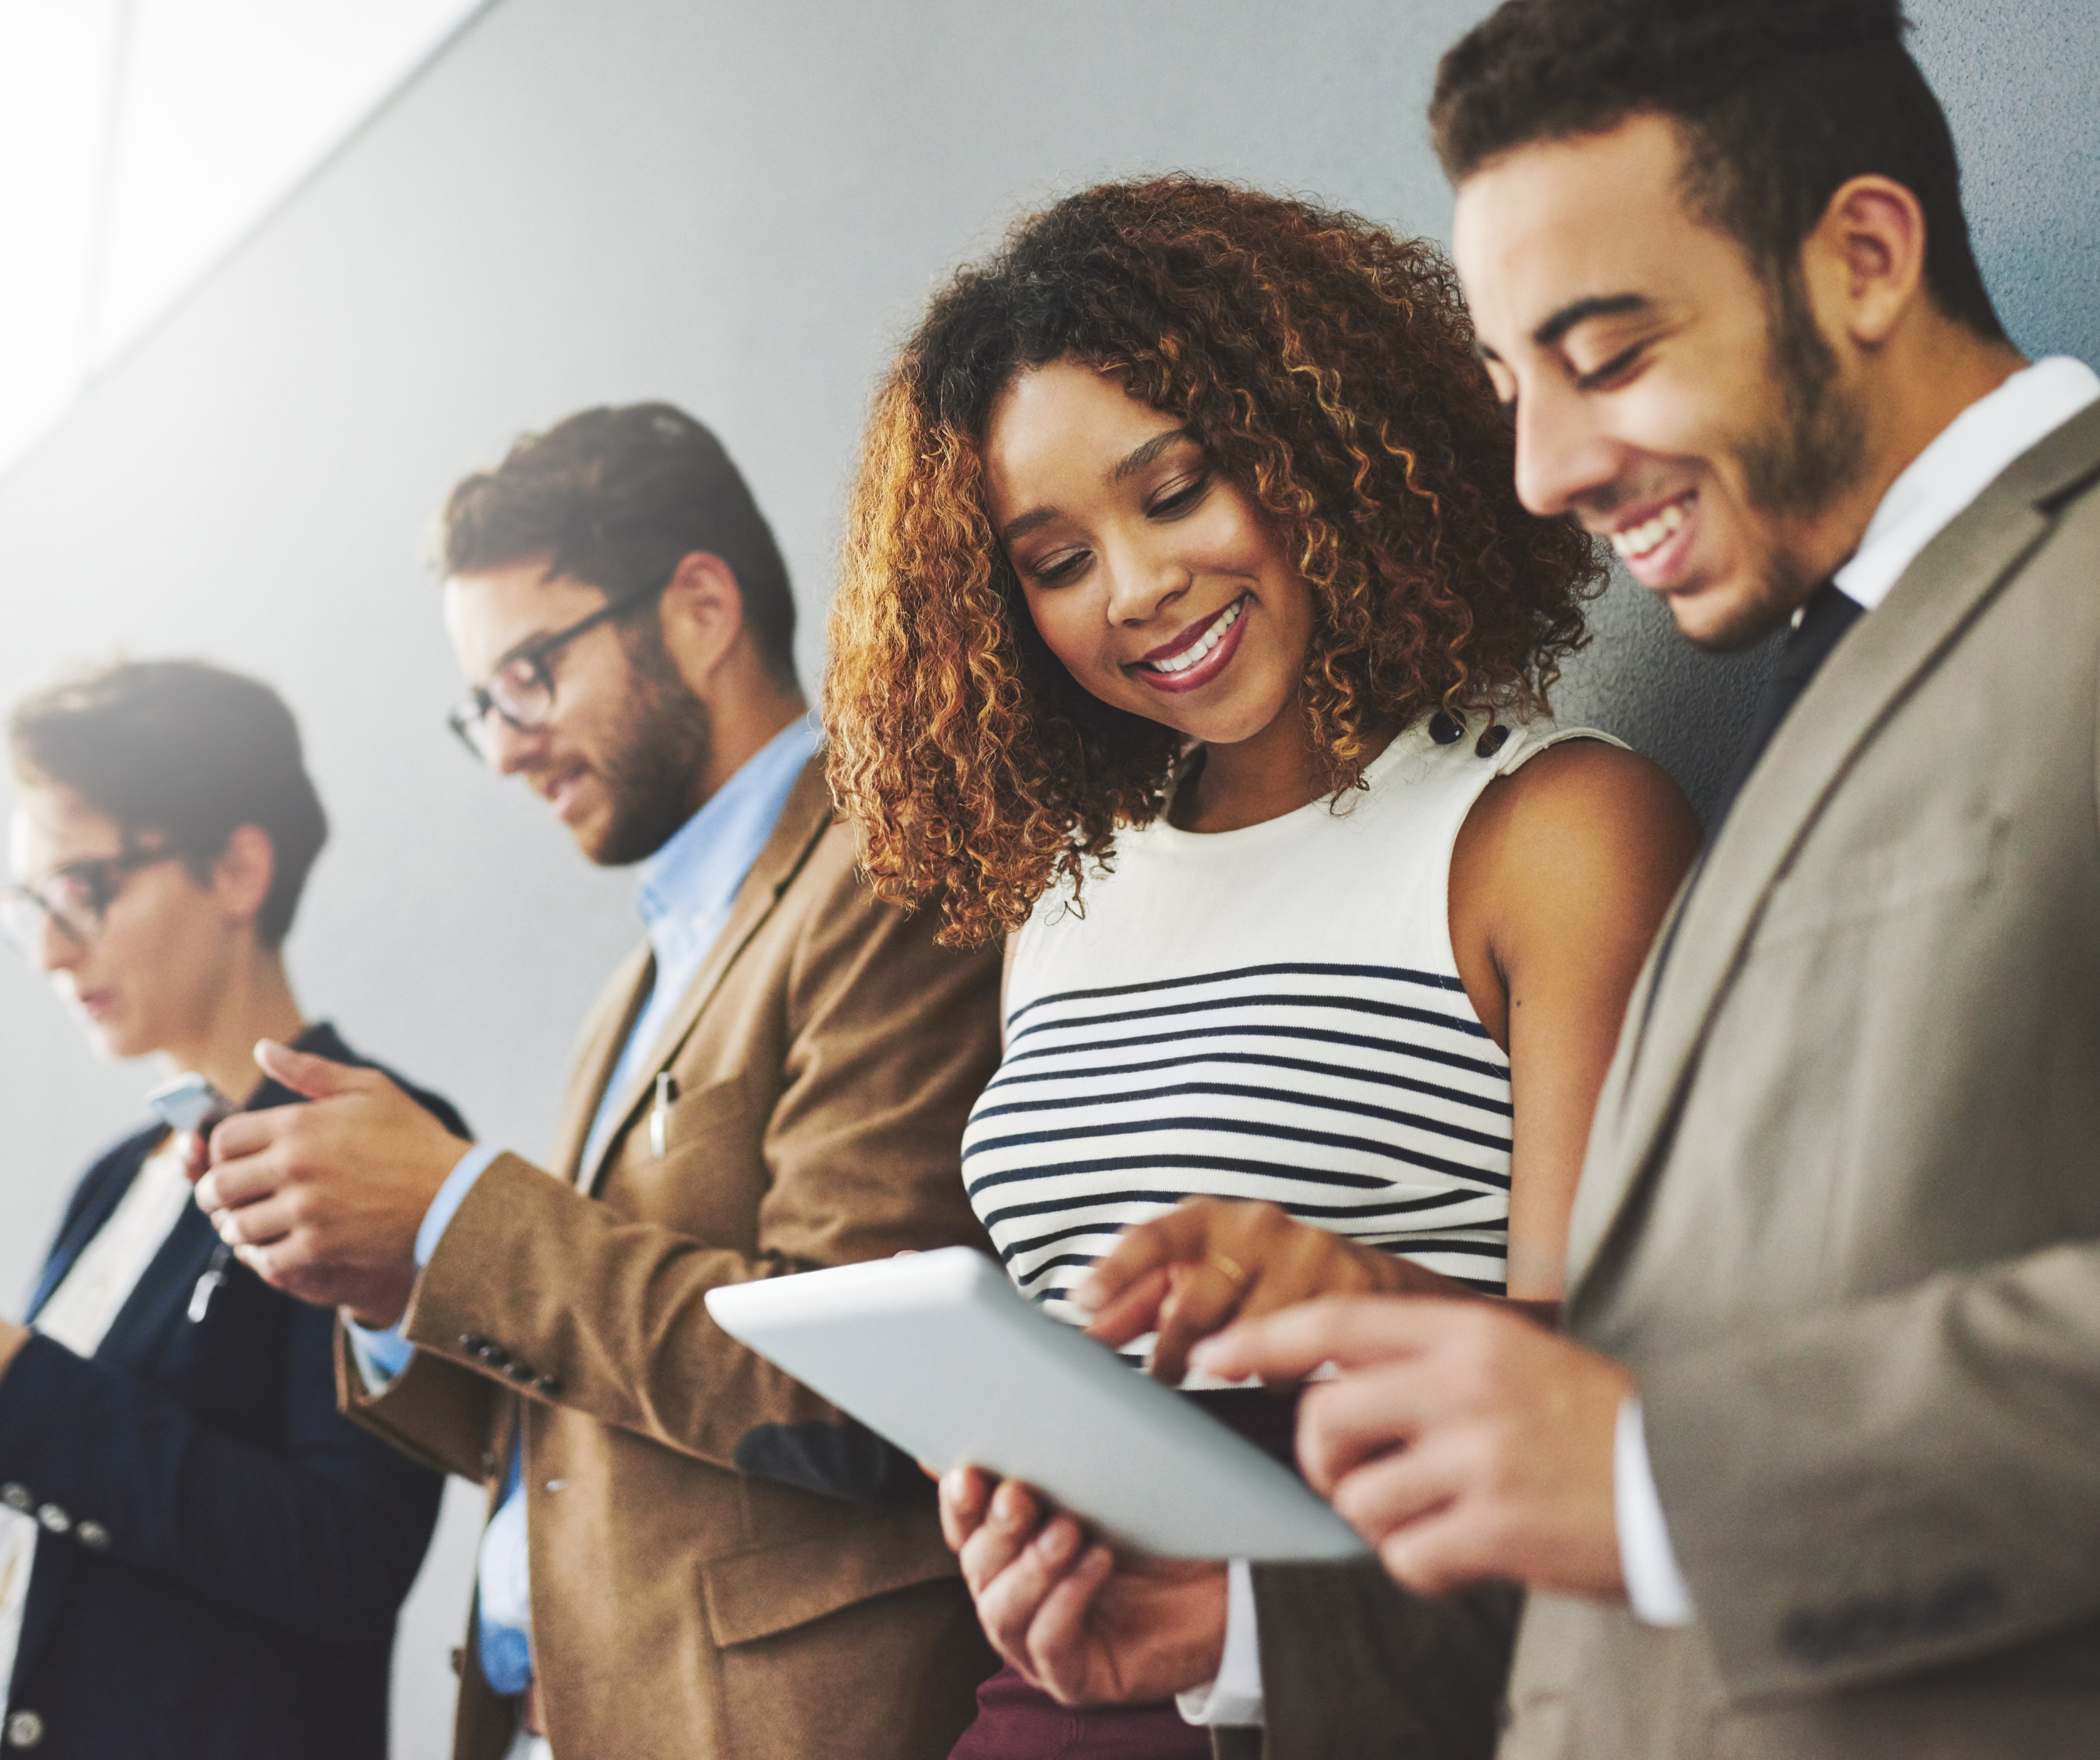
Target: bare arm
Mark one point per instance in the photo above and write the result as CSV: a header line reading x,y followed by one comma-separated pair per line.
x,y
1560,877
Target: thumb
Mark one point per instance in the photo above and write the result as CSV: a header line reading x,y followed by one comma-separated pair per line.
x,y
303,1073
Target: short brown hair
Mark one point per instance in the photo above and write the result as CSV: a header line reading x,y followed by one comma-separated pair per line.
x,y
185,750
1780,103
614,498
1327,367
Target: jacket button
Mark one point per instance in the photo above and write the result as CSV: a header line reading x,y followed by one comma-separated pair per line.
x,y
54,1519
93,1535
518,1371
16,1497
471,1341
546,1387
25,1729
489,1462
494,1355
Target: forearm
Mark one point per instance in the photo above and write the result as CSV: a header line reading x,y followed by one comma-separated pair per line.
x,y
541,1289
1860,1493
315,1539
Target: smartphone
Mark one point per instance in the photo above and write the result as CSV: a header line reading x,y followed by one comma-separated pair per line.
x,y
189,1103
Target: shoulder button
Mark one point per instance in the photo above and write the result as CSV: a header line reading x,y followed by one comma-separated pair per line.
x,y
16,1497
24,1729
54,1519
93,1535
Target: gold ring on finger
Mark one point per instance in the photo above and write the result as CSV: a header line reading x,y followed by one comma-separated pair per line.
x,y
1235,1273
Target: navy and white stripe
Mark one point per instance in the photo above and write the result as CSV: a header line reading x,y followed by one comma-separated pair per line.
x,y
1366,1098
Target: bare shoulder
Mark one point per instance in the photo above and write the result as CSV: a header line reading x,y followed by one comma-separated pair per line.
x,y
1584,821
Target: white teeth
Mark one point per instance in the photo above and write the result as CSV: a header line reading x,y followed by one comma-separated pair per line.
x,y
1212,636
1636,541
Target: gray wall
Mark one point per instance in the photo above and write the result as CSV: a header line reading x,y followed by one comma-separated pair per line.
x,y
738,208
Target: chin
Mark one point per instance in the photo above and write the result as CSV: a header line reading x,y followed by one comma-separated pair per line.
x,y
1726,619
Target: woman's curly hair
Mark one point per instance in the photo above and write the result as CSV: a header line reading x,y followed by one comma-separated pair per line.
x,y
1327,368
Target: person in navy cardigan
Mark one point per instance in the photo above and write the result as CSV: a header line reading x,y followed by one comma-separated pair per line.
x,y
199,1559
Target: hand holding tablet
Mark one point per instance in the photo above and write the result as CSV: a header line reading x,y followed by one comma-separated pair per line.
x,y
937,1353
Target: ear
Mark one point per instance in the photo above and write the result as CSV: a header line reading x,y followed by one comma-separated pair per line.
x,y
1864,263
703,617
241,877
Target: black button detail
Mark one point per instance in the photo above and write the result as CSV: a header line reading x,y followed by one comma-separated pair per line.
x,y
1444,729
494,1355
1865,1625
1491,742
518,1371
547,1387
471,1341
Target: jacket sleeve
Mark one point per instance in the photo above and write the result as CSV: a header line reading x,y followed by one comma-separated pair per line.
x,y
888,1041
1889,1486
1355,1668
321,1537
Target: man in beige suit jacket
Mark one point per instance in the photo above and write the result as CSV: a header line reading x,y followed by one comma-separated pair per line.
x,y
1832,1424
690,1555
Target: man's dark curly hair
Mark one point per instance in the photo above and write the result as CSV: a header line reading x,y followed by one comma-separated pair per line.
x,y
1328,368
1779,102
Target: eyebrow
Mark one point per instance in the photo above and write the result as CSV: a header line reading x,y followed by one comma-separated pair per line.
x,y
1582,311
1131,462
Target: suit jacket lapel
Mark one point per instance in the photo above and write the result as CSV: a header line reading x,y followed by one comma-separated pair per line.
x,y
1862,683
604,1039
803,820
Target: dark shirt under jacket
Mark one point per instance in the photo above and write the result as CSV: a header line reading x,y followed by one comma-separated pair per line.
x,y
224,1554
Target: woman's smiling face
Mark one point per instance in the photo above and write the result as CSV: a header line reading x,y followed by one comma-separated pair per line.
x,y
1152,577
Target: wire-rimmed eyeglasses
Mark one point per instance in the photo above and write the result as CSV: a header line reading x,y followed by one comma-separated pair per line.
x,y
76,897
521,690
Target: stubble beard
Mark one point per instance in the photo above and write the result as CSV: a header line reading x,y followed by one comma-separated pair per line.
x,y
1810,452
653,774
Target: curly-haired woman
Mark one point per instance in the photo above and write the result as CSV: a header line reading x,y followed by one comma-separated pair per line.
x,y
1191,636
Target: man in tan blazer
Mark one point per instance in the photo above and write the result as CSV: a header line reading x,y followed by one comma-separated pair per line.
x,y
689,1554
1820,1480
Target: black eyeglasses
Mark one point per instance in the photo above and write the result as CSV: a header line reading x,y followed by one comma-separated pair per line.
x,y
522,689
76,897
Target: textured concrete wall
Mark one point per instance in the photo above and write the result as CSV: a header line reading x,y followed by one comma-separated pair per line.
x,y
740,208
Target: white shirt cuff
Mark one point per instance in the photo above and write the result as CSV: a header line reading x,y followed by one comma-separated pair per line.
x,y
451,1195
1656,1586
1235,1697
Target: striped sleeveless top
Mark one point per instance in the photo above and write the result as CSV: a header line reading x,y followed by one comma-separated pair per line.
x,y
1272,1013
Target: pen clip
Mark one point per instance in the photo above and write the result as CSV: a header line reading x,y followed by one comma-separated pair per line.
x,y
667,1091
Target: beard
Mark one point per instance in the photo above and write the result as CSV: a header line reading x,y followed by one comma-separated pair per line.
x,y
653,772
1811,451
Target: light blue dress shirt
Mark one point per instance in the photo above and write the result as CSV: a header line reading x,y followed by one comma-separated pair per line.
x,y
687,890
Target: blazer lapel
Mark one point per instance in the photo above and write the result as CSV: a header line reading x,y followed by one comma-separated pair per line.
x,y
604,1040
1860,686
803,820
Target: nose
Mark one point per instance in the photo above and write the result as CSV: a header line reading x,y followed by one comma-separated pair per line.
x,y
1564,457
1142,580
55,950
507,749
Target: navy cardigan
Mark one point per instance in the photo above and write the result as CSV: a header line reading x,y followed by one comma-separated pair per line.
x,y
223,1553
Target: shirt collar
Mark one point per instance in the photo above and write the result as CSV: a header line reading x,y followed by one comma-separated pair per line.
x,y
1965,458
688,884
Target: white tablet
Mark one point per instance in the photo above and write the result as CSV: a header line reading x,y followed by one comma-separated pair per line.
x,y
938,1352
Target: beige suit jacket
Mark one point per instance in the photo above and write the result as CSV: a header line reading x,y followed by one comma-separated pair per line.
x,y
1842,1208
685,1601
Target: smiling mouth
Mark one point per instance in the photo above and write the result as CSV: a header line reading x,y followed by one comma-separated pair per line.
x,y
1635,543
1193,653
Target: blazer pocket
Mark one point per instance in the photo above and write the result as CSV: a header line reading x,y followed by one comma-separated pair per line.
x,y
703,1112
1930,868
761,1594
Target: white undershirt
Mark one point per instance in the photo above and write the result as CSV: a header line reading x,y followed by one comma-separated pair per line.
x,y
79,1314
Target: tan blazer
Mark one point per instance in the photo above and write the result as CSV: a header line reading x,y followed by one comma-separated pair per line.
x,y
1842,1208
825,1059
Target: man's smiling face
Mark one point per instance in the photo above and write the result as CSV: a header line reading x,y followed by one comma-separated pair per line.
x,y
1662,393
